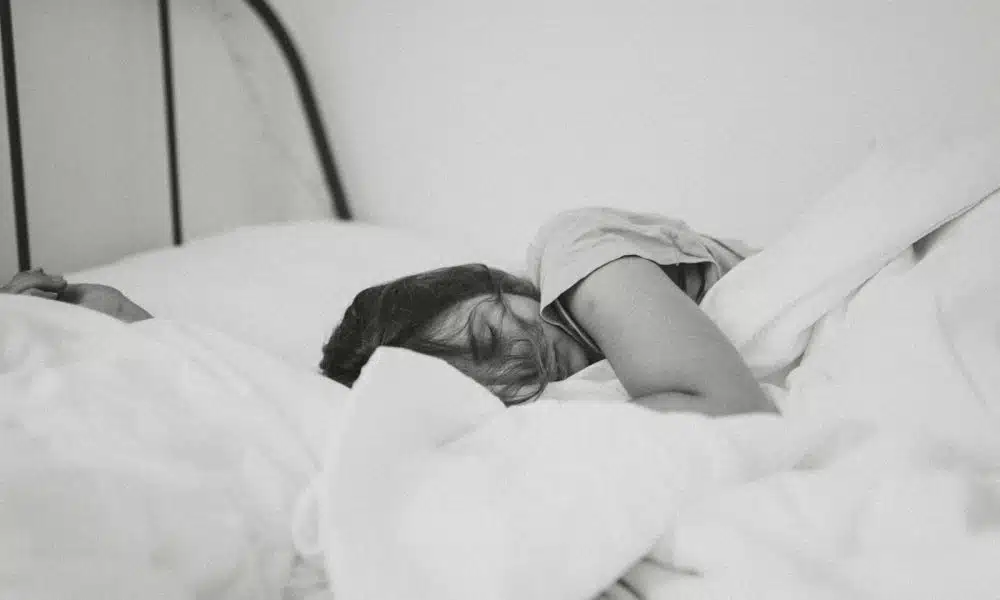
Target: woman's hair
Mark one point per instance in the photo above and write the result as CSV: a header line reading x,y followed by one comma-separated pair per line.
x,y
410,313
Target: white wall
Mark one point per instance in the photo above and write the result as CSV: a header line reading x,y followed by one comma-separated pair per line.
x,y
453,116
94,132
92,128
243,159
465,115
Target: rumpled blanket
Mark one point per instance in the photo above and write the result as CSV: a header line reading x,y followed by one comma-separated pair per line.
x,y
875,320
894,328
156,460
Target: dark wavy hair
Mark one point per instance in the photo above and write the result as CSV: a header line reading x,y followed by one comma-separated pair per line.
x,y
410,313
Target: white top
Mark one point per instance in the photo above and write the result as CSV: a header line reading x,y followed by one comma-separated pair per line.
x,y
575,243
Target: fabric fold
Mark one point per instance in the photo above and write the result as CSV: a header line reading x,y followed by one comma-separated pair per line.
x,y
768,304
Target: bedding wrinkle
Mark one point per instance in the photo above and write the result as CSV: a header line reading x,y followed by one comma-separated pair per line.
x,y
157,459
878,481
166,460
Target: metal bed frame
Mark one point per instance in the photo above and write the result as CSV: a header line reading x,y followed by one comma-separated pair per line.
x,y
293,59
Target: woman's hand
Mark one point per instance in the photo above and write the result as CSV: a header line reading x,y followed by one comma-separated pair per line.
x,y
35,283
102,298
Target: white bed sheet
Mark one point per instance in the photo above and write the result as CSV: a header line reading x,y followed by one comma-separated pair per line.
x,y
881,480
910,507
156,460
164,458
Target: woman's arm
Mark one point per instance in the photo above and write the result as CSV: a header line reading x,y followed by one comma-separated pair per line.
x,y
667,353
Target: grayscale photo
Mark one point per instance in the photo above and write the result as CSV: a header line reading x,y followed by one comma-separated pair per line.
x,y
500,300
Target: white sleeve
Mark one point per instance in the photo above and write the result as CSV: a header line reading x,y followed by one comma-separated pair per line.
x,y
575,243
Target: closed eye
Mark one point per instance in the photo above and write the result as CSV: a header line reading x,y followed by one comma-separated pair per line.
x,y
484,345
492,339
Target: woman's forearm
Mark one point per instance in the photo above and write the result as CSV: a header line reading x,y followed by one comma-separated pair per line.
x,y
660,343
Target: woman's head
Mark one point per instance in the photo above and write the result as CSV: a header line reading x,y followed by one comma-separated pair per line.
x,y
481,320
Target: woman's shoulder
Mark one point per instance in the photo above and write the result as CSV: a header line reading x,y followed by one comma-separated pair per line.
x,y
603,233
591,219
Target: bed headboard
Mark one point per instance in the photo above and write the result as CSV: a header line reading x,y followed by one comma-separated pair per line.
x,y
297,68
450,112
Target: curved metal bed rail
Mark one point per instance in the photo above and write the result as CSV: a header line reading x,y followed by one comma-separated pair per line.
x,y
293,59
14,137
310,105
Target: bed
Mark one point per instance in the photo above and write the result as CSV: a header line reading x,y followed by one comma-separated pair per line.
x,y
200,455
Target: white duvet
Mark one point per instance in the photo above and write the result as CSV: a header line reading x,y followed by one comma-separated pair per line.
x,y
156,460
880,480
162,460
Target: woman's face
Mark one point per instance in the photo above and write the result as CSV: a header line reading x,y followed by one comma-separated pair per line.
x,y
483,314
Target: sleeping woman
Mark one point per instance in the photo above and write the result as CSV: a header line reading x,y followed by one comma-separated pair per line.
x,y
600,284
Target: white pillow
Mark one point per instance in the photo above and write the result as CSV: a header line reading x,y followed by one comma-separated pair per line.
x,y
282,287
